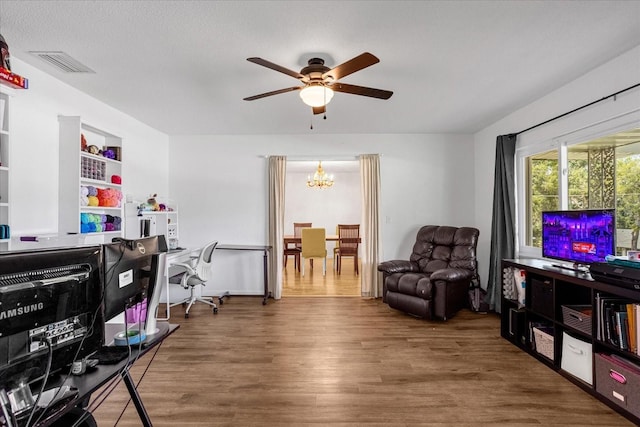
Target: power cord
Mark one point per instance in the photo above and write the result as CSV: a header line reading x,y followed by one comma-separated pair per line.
x,y
47,341
9,418
139,381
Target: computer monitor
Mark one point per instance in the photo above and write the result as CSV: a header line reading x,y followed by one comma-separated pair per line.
x,y
157,278
49,302
133,272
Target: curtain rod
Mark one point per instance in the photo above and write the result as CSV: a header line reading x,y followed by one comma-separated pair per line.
x,y
324,158
577,109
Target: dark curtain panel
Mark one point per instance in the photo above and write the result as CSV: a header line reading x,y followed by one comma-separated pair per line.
x,y
503,221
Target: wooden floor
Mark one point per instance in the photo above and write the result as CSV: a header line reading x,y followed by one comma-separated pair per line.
x,y
335,361
345,284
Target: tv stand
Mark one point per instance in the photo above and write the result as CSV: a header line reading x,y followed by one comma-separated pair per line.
x,y
577,267
563,324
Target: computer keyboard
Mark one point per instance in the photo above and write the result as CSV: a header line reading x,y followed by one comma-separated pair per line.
x,y
109,355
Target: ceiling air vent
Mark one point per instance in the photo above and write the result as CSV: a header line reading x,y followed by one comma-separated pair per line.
x,y
62,62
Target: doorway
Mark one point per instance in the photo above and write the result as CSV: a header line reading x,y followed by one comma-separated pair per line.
x,y
339,204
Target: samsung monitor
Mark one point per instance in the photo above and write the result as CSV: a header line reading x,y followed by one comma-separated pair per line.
x,y
580,237
49,307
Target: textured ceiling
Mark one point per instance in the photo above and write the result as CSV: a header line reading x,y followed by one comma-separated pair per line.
x,y
454,66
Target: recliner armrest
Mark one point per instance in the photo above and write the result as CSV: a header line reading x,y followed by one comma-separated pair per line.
x,y
398,266
451,275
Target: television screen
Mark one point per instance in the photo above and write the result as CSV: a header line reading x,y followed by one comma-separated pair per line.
x,y
579,236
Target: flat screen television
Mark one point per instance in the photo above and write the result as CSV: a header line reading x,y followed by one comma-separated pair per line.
x,y
581,237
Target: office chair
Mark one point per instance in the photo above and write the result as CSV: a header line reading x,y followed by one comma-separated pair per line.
x,y
195,274
314,245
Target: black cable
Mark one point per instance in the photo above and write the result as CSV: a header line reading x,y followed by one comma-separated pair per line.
x,y
578,109
153,356
44,383
90,330
108,276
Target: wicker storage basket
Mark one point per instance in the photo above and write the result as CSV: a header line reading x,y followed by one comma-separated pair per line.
x,y
543,338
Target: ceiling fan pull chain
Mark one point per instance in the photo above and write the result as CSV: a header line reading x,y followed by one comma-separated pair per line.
x,y
325,103
311,121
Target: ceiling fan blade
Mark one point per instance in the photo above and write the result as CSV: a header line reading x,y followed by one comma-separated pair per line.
x,y
275,92
361,90
319,110
276,67
351,66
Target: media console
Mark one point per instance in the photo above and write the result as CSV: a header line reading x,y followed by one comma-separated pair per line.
x,y
564,323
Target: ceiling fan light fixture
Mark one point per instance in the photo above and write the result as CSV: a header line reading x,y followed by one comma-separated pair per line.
x,y
316,95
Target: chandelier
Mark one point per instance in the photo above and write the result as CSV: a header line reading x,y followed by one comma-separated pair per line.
x,y
320,178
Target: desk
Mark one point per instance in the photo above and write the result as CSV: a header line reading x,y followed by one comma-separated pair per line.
x,y
265,250
90,382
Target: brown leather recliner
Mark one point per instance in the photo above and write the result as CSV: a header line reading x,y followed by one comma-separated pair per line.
x,y
434,282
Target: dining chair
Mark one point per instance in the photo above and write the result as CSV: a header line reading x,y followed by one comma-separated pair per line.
x,y
314,245
348,242
336,248
297,247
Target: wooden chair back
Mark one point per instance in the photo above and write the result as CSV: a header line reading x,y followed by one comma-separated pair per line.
x,y
297,230
348,235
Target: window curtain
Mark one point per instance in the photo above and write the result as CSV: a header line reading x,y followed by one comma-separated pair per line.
x,y
371,285
503,221
277,173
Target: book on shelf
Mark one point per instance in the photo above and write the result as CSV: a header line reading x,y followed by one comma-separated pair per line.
x,y
622,327
636,308
618,322
631,318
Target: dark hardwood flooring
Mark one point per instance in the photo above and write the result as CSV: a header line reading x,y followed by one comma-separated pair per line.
x,y
336,361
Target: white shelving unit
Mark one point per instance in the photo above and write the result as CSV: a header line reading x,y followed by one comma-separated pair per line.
x,y
80,169
5,162
160,223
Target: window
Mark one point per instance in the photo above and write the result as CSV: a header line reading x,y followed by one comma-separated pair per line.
x,y
601,173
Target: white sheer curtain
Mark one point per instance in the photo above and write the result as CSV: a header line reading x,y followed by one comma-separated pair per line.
x,y
277,172
370,185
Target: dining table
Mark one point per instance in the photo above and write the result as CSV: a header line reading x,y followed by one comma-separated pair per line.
x,y
291,239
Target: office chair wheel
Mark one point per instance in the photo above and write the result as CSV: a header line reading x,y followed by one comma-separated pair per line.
x,y
220,301
186,315
215,310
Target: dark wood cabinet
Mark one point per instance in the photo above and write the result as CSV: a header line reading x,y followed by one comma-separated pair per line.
x,y
562,325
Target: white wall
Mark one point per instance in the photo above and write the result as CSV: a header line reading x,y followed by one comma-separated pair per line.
x,y
34,148
219,183
615,75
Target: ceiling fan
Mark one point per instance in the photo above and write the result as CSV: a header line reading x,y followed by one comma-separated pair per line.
x,y
320,81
